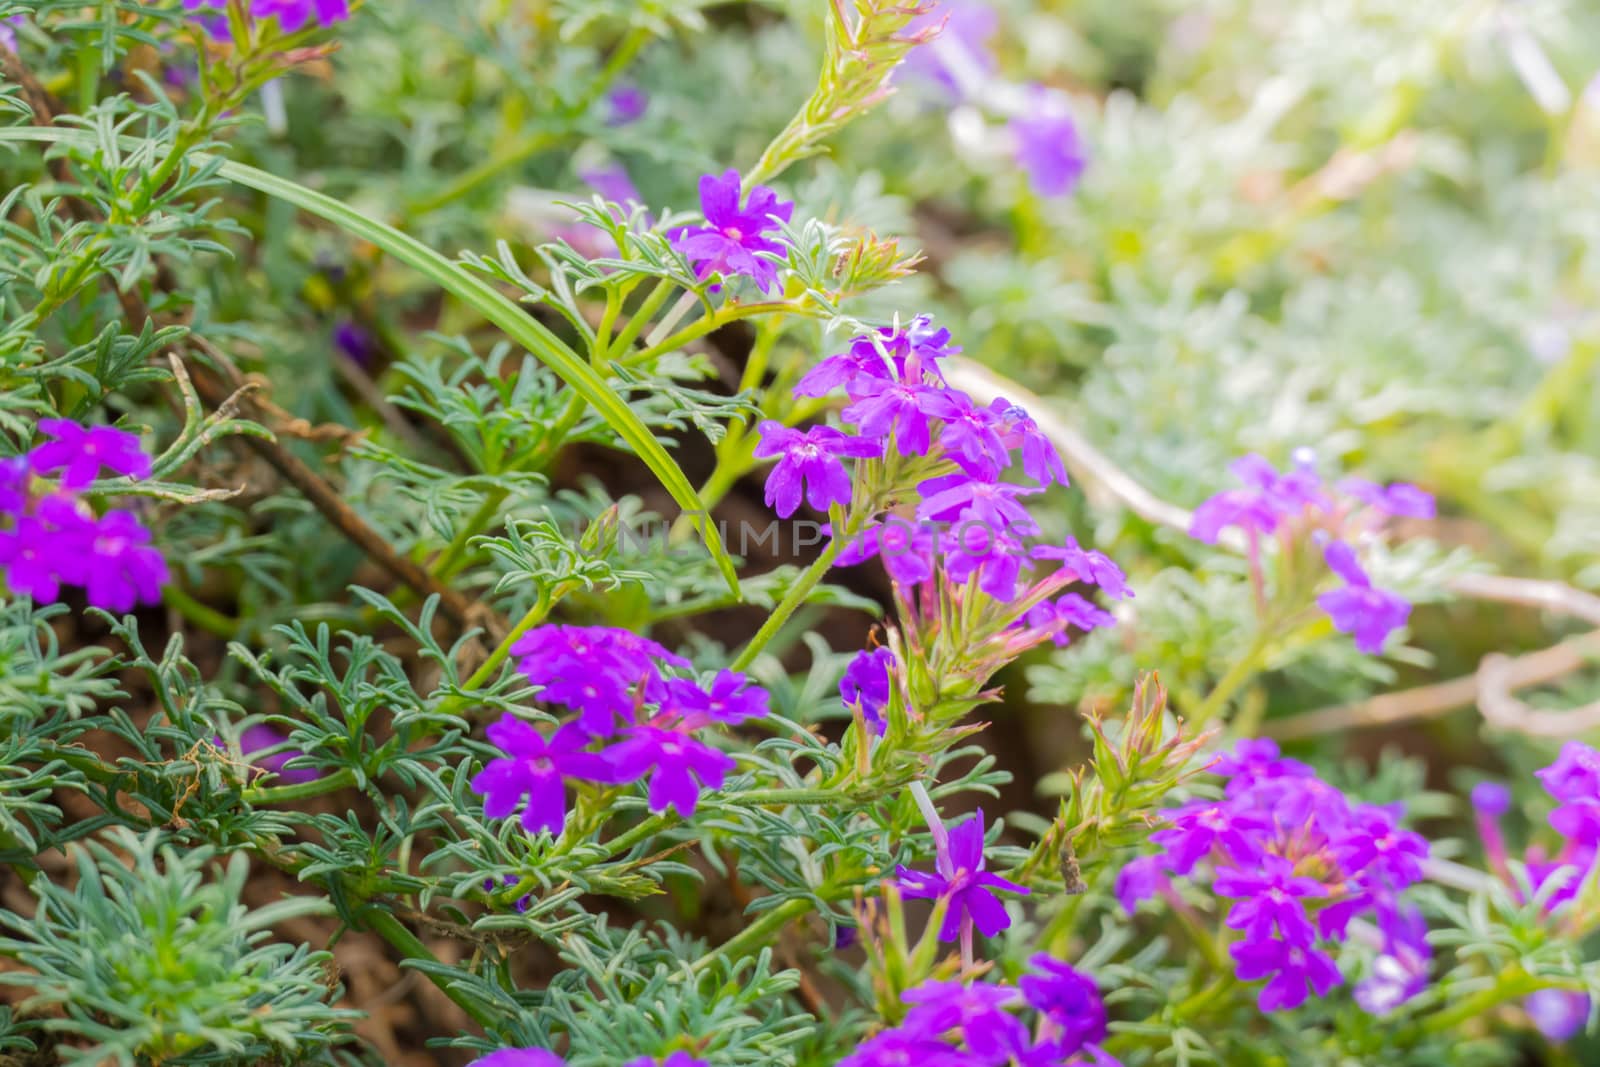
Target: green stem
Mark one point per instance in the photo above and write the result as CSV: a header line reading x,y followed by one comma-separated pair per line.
x,y
408,945
794,598
754,935
491,666
206,618
642,315
1243,669
283,794
450,559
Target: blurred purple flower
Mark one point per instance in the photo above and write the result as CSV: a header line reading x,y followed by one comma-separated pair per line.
x,y
1291,968
83,451
1048,145
355,342
1090,566
1558,1014
977,1009
260,738
957,58
1357,607
627,104
519,1057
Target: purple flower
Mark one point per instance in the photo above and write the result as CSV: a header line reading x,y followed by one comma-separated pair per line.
x,y
1255,760
1558,1014
967,886
1575,775
1090,566
910,354
996,559
8,36
627,103
1140,879
731,241
731,699
120,569
538,769
978,1010
902,1048
590,668
1068,610
355,342
292,15
1291,967
1040,459
682,766
519,1057
907,550
1048,145
960,496
613,183
260,738
1269,499
62,543
677,1059
83,451
971,435
1068,998
1203,826
1271,900
1374,846
866,685
886,406
1401,972
14,477
809,460
953,51
1358,608
1491,799
1396,498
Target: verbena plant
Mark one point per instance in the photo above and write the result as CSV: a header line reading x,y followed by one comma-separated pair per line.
x,y
397,543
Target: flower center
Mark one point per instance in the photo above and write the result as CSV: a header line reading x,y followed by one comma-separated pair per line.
x,y
733,233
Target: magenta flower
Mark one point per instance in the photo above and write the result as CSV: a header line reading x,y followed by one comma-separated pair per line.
x,y
538,769
809,461
627,104
731,700
593,669
977,1010
1401,971
910,354
261,738
83,451
888,407
1396,498
121,569
907,549
292,15
975,549
682,766
1203,826
1068,610
961,497
902,1048
971,435
966,885
1090,566
1271,900
1048,145
1292,968
1068,998
1575,775
677,1059
519,1057
731,242
866,684
1140,879
1040,459
1357,607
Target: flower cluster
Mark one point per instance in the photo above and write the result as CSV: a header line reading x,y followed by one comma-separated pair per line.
x,y
962,531
1040,134
611,679
732,241
1299,861
1573,781
50,537
982,1024
1287,505
292,15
